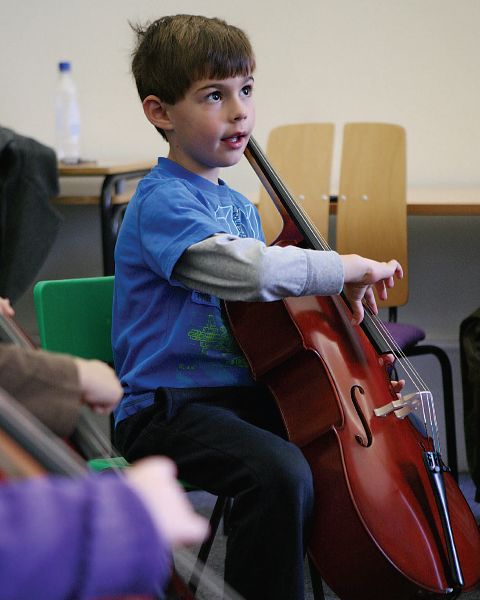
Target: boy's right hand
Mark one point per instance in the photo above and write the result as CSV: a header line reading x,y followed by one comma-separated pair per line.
x,y
361,275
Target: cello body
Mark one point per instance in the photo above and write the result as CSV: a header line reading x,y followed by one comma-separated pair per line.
x,y
377,531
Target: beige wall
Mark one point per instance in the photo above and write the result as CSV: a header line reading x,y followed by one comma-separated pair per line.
x,y
411,62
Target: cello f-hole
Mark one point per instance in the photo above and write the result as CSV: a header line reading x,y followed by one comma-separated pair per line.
x,y
361,416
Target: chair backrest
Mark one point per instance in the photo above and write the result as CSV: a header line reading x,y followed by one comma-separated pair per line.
x,y
372,203
75,316
302,156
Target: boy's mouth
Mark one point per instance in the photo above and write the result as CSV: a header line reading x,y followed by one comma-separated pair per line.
x,y
234,140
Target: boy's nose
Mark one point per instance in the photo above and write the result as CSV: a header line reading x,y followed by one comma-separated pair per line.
x,y
238,112
241,116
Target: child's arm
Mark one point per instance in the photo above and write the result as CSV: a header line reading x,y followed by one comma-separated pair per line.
x,y
246,269
107,536
234,268
53,386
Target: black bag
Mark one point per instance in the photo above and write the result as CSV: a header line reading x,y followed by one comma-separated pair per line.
x,y
470,368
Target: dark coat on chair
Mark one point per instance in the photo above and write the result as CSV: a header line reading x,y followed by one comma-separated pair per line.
x,y
470,367
28,222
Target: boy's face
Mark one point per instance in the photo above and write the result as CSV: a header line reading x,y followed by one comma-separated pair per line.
x,y
210,127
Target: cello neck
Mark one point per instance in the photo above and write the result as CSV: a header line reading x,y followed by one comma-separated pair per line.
x,y
292,213
299,228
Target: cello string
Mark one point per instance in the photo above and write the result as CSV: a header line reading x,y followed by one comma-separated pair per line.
x,y
39,441
428,412
96,438
426,397
88,432
184,559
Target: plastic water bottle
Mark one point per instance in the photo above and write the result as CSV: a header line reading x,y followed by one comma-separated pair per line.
x,y
67,117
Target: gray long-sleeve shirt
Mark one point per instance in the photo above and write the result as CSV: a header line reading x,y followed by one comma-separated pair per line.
x,y
234,268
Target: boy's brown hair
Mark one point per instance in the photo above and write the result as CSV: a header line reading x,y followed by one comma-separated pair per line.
x,y
174,52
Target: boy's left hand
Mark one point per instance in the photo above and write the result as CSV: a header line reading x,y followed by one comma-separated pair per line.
x,y
361,276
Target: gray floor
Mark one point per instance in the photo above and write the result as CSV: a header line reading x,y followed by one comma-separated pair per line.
x,y
204,504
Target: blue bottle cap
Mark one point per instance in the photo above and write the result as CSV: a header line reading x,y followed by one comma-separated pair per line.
x,y
64,66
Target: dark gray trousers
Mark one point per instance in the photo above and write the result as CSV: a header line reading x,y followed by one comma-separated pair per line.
x,y
231,442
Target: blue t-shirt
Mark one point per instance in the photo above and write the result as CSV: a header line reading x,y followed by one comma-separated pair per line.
x,y
163,334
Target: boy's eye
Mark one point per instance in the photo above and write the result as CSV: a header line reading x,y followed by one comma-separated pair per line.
x,y
214,97
247,90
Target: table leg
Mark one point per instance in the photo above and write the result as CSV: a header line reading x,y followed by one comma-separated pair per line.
x,y
111,215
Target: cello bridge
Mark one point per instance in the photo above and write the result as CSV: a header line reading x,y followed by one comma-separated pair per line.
x,y
402,406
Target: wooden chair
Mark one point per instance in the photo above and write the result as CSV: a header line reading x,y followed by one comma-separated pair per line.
x,y
302,156
372,222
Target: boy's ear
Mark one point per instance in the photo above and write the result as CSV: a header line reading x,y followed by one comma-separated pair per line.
x,y
156,112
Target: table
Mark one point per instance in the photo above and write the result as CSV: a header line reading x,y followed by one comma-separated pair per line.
x,y
426,201
436,201
443,201
112,198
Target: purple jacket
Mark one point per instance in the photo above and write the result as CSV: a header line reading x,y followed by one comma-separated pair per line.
x,y
83,538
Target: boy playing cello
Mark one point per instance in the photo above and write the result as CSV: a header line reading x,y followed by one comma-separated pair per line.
x,y
188,242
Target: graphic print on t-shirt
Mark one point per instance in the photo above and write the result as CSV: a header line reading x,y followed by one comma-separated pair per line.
x,y
230,217
212,348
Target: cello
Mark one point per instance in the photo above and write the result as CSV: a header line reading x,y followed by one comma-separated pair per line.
x,y
389,519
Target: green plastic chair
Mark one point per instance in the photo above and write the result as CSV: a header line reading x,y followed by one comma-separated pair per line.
x,y
74,316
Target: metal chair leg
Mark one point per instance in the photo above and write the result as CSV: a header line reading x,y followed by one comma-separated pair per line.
x,y
205,548
317,584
